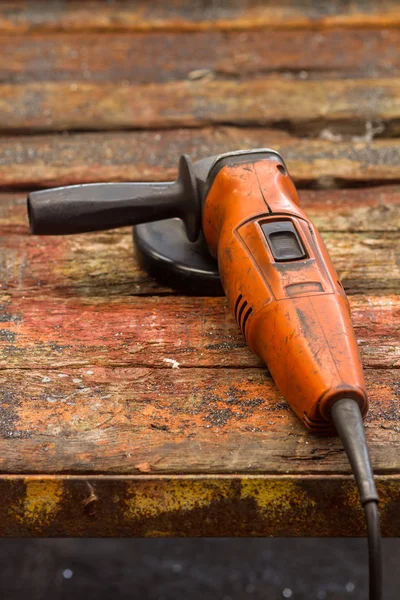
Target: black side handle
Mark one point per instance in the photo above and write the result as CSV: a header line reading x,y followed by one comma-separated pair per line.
x,y
99,206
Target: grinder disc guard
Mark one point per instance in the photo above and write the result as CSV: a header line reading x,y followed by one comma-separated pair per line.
x,y
165,252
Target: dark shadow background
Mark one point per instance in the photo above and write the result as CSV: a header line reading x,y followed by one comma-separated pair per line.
x,y
192,569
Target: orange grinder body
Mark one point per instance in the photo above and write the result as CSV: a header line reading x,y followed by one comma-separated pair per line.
x,y
282,286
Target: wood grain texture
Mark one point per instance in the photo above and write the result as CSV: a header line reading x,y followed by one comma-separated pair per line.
x,y
104,265
162,57
153,331
96,15
29,162
133,420
348,210
360,227
298,106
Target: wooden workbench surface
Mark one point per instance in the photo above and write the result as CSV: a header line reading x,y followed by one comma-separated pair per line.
x,y
127,409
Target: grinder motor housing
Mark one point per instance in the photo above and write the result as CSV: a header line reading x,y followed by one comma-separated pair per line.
x,y
235,220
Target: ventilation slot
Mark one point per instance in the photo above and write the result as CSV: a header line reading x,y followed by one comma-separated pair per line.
x,y
246,316
241,312
237,304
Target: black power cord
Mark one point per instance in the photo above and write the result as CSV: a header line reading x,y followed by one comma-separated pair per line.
x,y
347,419
374,550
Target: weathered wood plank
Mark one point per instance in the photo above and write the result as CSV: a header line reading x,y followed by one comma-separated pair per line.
x,y
29,162
371,209
162,57
96,15
152,506
182,421
297,105
360,227
56,331
104,264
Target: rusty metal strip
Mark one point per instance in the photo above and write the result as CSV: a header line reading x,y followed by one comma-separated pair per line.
x,y
167,506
